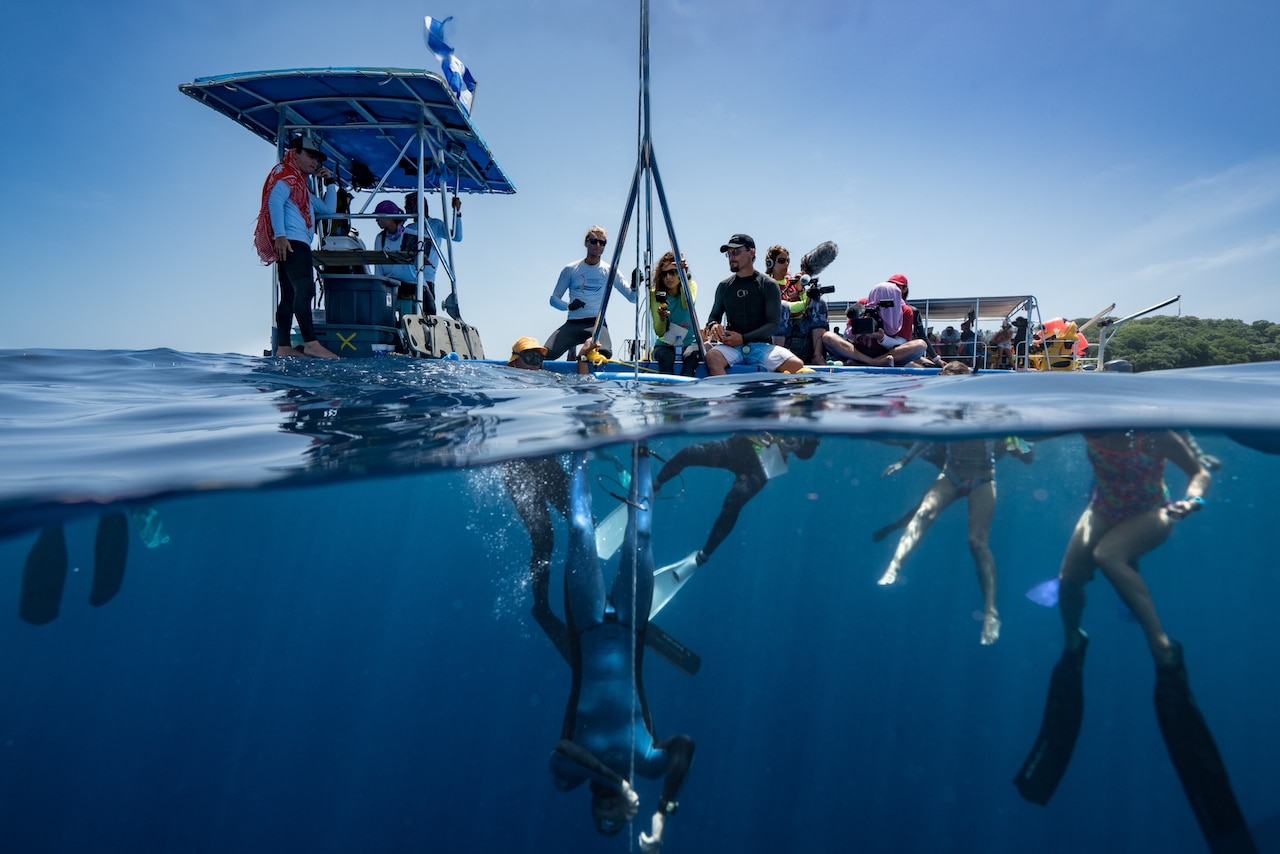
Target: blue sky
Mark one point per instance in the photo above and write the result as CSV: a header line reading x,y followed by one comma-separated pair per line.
x,y
1086,153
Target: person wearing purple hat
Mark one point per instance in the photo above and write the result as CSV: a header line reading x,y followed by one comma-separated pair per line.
x,y
391,238
751,305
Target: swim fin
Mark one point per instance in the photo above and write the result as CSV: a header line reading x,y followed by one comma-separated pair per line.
x,y
610,532
684,659
668,580
110,549
43,577
1063,713
1199,765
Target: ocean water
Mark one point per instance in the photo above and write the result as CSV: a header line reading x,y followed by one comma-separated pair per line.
x,y
322,642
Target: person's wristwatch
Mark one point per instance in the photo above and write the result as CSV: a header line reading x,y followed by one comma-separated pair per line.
x,y
668,807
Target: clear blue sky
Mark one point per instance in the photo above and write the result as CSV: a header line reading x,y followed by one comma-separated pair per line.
x,y
1087,152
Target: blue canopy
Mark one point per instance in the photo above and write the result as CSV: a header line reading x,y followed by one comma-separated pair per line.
x,y
367,116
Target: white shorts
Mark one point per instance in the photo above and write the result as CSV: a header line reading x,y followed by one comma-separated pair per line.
x,y
768,356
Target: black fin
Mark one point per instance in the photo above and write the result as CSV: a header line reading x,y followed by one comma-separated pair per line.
x,y
1063,712
43,577
684,659
110,549
1199,765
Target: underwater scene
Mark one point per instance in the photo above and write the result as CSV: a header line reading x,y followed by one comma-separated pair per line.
x,y
394,605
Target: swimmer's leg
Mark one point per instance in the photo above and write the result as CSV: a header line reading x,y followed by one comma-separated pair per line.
x,y
1195,756
583,584
1116,554
937,499
110,549
635,567
745,487
43,577
982,503
1077,570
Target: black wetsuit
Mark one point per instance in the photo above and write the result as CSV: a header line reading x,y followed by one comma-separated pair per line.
x,y
752,305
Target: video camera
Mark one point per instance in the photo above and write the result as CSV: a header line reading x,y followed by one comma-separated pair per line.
x,y
812,289
865,319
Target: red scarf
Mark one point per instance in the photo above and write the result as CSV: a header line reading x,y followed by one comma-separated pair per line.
x,y
286,170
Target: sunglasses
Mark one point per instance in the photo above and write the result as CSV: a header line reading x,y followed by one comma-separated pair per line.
x,y
670,272
734,253
531,357
595,241
782,259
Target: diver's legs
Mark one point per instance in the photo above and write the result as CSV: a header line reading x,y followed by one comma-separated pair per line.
x,y
583,583
937,499
635,567
1116,553
982,504
744,488
110,551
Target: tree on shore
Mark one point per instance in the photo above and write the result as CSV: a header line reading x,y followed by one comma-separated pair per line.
x,y
1160,343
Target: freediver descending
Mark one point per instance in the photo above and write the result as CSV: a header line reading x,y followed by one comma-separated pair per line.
x,y
608,733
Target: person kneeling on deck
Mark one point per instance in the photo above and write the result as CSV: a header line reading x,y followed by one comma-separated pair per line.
x,y
670,307
752,305
584,281
283,237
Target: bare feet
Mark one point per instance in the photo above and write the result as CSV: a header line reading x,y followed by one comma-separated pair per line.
x,y
281,352
317,350
990,629
889,578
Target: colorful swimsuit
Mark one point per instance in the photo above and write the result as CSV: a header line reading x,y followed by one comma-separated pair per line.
x,y
1127,481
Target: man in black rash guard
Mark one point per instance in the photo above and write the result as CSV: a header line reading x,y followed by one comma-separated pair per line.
x,y
607,728
752,305
747,457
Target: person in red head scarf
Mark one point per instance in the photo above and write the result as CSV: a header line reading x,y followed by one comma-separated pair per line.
x,y
286,223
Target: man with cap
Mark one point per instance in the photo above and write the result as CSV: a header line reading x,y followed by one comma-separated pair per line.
x,y
286,225
438,234
584,283
751,304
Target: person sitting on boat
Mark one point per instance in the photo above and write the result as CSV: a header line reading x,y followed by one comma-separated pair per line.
x,y
608,734
1002,343
670,308
438,233
753,460
286,225
804,313
970,345
751,304
887,342
391,238
584,283
949,342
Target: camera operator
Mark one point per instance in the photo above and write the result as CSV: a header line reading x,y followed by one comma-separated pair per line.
x,y
670,310
876,335
804,312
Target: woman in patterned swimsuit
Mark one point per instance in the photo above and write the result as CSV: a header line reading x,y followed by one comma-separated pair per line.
x,y
1129,514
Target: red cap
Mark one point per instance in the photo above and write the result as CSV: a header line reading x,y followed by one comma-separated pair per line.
x,y
897,279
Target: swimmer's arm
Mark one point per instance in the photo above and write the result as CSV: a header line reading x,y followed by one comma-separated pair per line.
x,y
1181,455
588,762
914,451
679,749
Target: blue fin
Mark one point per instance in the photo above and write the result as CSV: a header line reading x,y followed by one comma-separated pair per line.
x,y
1045,593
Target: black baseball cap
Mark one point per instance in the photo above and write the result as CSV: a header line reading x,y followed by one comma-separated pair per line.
x,y
739,240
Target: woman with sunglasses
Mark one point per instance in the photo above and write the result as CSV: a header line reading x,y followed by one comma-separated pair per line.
x,y
670,307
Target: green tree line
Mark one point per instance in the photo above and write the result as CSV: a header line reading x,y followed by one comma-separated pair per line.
x,y
1159,343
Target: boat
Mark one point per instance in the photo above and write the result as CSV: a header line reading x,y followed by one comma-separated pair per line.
x,y
385,130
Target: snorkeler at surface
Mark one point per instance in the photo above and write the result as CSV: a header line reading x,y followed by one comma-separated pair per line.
x,y
1129,514
968,471
608,733
754,460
